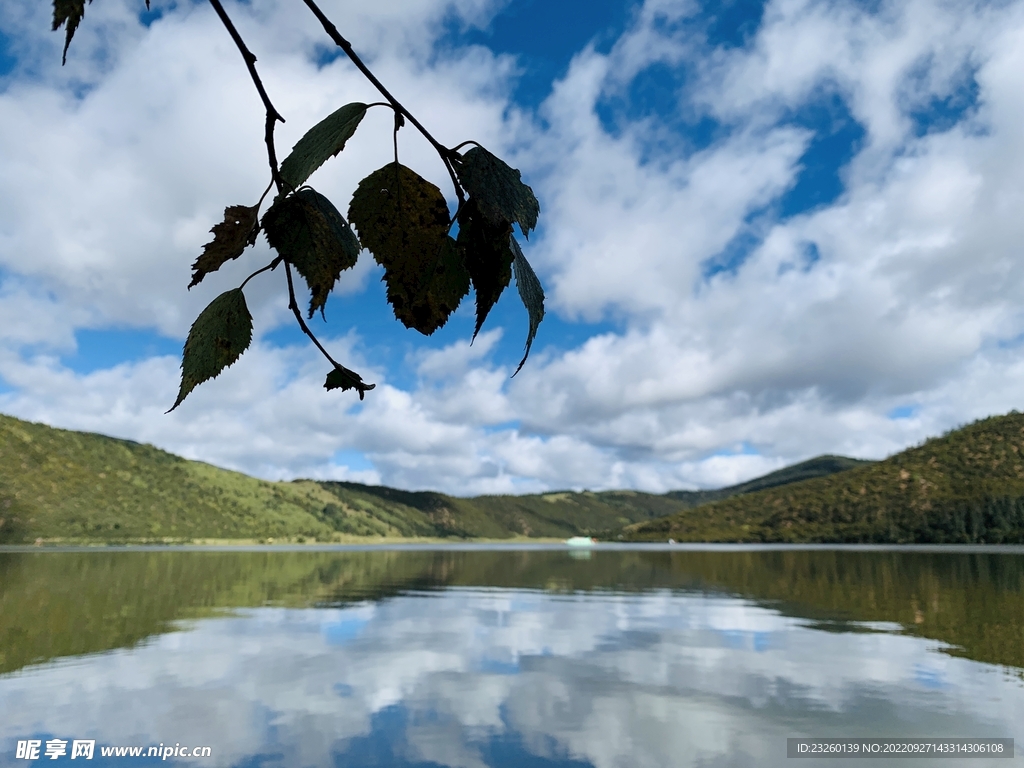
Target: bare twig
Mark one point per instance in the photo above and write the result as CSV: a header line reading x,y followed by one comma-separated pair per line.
x,y
272,114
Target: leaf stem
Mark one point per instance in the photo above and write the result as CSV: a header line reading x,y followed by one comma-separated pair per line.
x,y
272,114
264,195
271,266
398,124
346,46
293,305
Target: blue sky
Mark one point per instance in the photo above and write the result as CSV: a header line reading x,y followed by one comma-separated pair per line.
x,y
768,231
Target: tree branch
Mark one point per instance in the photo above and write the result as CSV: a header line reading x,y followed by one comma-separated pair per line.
x,y
332,32
272,114
293,305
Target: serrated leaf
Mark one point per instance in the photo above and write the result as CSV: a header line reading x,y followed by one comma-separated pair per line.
x,y
395,211
403,220
498,188
530,291
230,238
428,306
342,378
321,142
68,13
218,337
488,256
307,230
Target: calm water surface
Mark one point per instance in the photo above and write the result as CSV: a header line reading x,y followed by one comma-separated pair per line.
x,y
532,658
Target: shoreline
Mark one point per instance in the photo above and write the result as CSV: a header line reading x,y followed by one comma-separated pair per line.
x,y
484,545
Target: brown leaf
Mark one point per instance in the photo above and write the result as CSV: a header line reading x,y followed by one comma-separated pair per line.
x,y
69,13
230,238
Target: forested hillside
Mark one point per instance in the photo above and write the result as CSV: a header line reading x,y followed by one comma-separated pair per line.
x,y
966,486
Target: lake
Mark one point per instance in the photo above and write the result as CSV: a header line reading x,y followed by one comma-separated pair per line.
x,y
709,656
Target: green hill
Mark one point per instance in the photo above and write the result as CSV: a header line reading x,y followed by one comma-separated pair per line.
x,y
966,486
57,484
75,486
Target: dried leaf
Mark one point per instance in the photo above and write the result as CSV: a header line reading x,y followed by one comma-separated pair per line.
x,y
307,230
498,188
342,378
403,220
230,238
530,291
218,337
69,13
321,142
488,256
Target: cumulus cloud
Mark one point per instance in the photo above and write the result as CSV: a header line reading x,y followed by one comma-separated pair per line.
x,y
734,335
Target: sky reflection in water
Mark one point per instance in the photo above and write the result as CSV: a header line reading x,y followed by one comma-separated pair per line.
x,y
473,677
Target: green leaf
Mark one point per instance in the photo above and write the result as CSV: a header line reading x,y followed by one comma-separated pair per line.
x,y
530,291
342,378
218,337
488,255
321,142
70,13
403,220
498,189
427,304
230,238
307,230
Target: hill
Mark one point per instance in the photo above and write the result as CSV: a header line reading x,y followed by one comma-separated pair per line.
x,y
57,484
75,486
966,486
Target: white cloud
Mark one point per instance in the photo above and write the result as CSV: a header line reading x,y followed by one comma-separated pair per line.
x,y
118,165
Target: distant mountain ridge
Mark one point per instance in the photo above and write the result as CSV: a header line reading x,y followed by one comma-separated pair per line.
x,y
819,466
76,486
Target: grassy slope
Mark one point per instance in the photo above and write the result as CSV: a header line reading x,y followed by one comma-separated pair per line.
x,y
965,486
79,486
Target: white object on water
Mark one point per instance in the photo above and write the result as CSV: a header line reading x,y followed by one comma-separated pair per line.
x,y
580,541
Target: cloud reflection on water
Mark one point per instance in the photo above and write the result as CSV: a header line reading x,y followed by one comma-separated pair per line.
x,y
470,678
